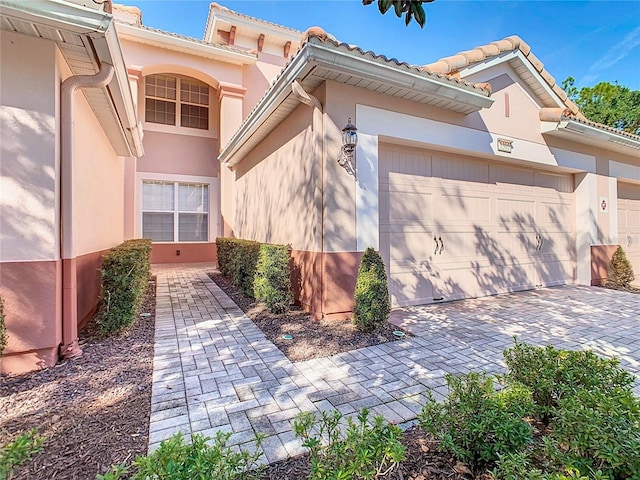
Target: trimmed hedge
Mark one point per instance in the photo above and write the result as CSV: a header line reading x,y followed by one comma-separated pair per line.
x,y
125,276
3,328
260,271
272,281
372,305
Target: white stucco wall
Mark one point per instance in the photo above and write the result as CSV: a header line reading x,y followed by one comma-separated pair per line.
x,y
29,149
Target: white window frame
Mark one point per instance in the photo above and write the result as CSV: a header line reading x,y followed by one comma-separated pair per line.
x,y
176,128
213,184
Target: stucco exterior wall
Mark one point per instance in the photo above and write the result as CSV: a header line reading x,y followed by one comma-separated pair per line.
x,y
29,153
278,186
98,184
30,267
152,59
257,78
181,154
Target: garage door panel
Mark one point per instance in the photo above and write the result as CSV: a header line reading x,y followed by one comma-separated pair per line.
x,y
457,207
518,213
497,228
629,223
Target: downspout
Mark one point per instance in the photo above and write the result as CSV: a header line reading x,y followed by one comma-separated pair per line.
x,y
70,347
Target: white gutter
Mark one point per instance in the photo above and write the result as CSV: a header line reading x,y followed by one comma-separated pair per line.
x,y
312,55
341,61
595,135
183,45
70,346
55,13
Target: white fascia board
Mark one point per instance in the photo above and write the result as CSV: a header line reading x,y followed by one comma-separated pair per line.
x,y
296,70
506,57
149,37
123,97
313,55
604,137
346,63
57,14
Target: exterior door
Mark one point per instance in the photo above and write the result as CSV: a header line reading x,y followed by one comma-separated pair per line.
x,y
629,223
452,227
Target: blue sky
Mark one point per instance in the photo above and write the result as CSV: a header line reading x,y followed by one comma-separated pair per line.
x,y
592,41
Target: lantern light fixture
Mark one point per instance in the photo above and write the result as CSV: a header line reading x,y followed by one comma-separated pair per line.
x,y
349,142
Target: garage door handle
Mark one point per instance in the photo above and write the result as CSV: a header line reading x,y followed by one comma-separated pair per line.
x,y
441,245
435,252
629,241
538,242
541,242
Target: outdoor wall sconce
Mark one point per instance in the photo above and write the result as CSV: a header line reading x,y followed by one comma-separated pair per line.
x,y
349,142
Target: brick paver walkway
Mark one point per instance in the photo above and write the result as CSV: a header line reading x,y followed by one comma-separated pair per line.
x,y
215,370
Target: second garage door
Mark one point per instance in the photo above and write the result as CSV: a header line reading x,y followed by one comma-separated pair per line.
x,y
629,223
452,227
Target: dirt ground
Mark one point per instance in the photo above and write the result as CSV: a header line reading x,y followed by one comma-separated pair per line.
x,y
93,410
311,338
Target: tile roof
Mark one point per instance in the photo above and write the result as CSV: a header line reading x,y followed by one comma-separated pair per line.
x,y
320,35
453,64
229,48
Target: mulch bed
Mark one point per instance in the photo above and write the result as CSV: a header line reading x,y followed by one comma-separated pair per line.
x,y
93,410
423,462
311,338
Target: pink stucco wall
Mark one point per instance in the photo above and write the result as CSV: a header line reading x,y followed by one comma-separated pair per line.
x,y
180,154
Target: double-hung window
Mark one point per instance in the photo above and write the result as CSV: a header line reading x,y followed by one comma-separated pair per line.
x,y
178,101
175,212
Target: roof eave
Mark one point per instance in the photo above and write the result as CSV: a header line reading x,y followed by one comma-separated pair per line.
x,y
97,28
216,14
591,135
213,52
279,91
315,54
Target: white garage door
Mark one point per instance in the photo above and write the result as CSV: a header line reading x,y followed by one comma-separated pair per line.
x,y
452,227
629,223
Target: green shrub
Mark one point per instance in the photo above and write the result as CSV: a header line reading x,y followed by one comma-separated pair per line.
x,y
19,451
476,423
597,430
243,265
237,259
3,328
372,304
552,374
224,248
199,460
272,282
365,450
125,275
620,272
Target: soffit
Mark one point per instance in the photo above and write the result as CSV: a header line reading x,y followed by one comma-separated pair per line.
x,y
77,48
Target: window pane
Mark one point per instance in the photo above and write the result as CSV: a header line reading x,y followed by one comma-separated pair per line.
x,y
193,91
161,86
157,226
157,196
160,111
193,197
193,116
192,227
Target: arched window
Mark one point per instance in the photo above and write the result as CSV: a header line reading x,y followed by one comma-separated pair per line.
x,y
176,100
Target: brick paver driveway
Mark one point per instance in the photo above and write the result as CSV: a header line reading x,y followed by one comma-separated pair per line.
x,y
215,370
